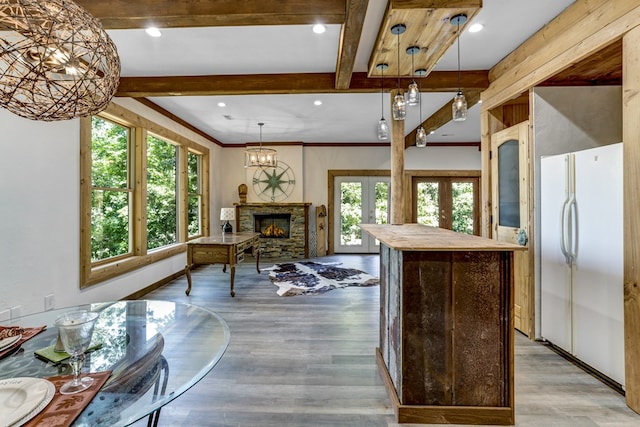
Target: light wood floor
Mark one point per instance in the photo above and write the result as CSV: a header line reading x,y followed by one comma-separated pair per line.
x,y
309,361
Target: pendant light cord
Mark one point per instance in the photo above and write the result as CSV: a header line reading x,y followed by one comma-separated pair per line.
x,y
398,35
458,35
382,91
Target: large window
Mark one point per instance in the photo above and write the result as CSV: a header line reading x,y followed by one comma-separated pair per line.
x,y
194,194
143,193
110,190
162,193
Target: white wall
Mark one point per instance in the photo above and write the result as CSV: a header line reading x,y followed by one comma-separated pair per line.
x,y
39,203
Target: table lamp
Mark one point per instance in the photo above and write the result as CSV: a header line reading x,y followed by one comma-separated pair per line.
x,y
226,215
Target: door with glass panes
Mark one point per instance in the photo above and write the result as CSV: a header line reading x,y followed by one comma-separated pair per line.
x,y
447,202
359,200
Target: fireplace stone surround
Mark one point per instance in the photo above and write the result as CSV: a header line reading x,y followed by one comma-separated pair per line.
x,y
296,245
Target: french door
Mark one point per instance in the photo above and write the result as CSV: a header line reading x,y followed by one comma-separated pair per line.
x,y
447,202
359,200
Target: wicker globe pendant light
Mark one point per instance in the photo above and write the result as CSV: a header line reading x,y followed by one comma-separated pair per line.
x,y
56,60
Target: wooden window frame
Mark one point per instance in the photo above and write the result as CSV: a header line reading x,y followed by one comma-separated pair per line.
x,y
92,273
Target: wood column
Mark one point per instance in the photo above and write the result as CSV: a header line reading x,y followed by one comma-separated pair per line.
x,y
631,155
397,165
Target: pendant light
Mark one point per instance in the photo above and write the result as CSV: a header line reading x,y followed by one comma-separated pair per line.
x,y
57,61
399,104
383,126
421,134
413,93
459,106
260,157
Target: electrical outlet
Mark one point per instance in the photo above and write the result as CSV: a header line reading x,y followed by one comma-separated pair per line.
x,y
49,302
16,311
5,315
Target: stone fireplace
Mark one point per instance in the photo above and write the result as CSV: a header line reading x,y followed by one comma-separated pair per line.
x,y
284,227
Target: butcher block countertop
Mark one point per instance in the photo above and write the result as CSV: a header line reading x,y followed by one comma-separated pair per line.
x,y
418,237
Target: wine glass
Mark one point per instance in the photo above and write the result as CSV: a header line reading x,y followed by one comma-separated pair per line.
x,y
76,329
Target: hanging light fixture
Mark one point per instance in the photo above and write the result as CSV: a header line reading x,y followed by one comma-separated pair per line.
x,y
459,106
413,93
57,62
421,134
399,104
383,126
260,157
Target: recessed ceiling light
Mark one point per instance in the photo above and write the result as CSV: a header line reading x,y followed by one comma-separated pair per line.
x,y
475,28
153,32
431,132
221,104
319,28
317,102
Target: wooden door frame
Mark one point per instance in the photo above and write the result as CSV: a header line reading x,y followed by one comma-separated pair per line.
x,y
332,174
524,260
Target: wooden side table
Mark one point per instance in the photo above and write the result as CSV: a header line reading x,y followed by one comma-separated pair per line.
x,y
224,249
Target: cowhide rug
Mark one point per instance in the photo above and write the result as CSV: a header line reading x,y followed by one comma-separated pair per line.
x,y
308,277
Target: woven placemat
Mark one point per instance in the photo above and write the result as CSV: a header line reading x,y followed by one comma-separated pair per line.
x,y
65,408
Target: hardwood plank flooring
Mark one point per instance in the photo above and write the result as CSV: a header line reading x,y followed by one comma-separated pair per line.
x,y
309,361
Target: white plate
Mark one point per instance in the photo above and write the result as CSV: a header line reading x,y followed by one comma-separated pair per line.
x,y
23,398
8,342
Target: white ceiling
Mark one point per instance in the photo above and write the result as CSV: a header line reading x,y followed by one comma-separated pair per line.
x,y
296,49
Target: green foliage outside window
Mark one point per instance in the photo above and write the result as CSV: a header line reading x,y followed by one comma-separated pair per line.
x,y
428,204
350,213
462,220
110,193
194,194
161,193
382,202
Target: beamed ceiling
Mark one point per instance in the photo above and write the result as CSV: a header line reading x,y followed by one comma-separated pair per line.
x,y
257,56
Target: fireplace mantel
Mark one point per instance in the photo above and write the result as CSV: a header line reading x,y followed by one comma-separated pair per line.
x,y
296,246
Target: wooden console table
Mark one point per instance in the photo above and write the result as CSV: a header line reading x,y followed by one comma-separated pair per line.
x,y
223,249
446,325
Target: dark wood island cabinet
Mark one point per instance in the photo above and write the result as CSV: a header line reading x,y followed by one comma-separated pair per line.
x,y
446,325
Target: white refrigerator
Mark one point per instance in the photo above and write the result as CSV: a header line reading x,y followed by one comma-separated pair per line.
x,y
582,256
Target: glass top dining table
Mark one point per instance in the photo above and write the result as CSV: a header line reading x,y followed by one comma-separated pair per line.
x,y
156,351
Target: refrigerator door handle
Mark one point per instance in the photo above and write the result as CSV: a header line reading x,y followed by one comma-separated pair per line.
x,y
564,228
573,231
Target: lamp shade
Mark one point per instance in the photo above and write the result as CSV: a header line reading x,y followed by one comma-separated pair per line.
x,y
57,61
227,214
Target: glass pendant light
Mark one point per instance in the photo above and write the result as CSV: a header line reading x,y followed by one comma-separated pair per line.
x,y
413,93
459,106
383,126
421,134
399,104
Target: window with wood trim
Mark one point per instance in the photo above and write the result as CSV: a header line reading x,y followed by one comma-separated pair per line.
x,y
143,193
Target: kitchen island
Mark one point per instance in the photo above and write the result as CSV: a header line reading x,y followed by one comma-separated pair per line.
x,y
446,325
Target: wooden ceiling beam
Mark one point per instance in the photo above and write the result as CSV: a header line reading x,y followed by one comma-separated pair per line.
x,y
126,14
428,27
440,118
349,41
256,84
